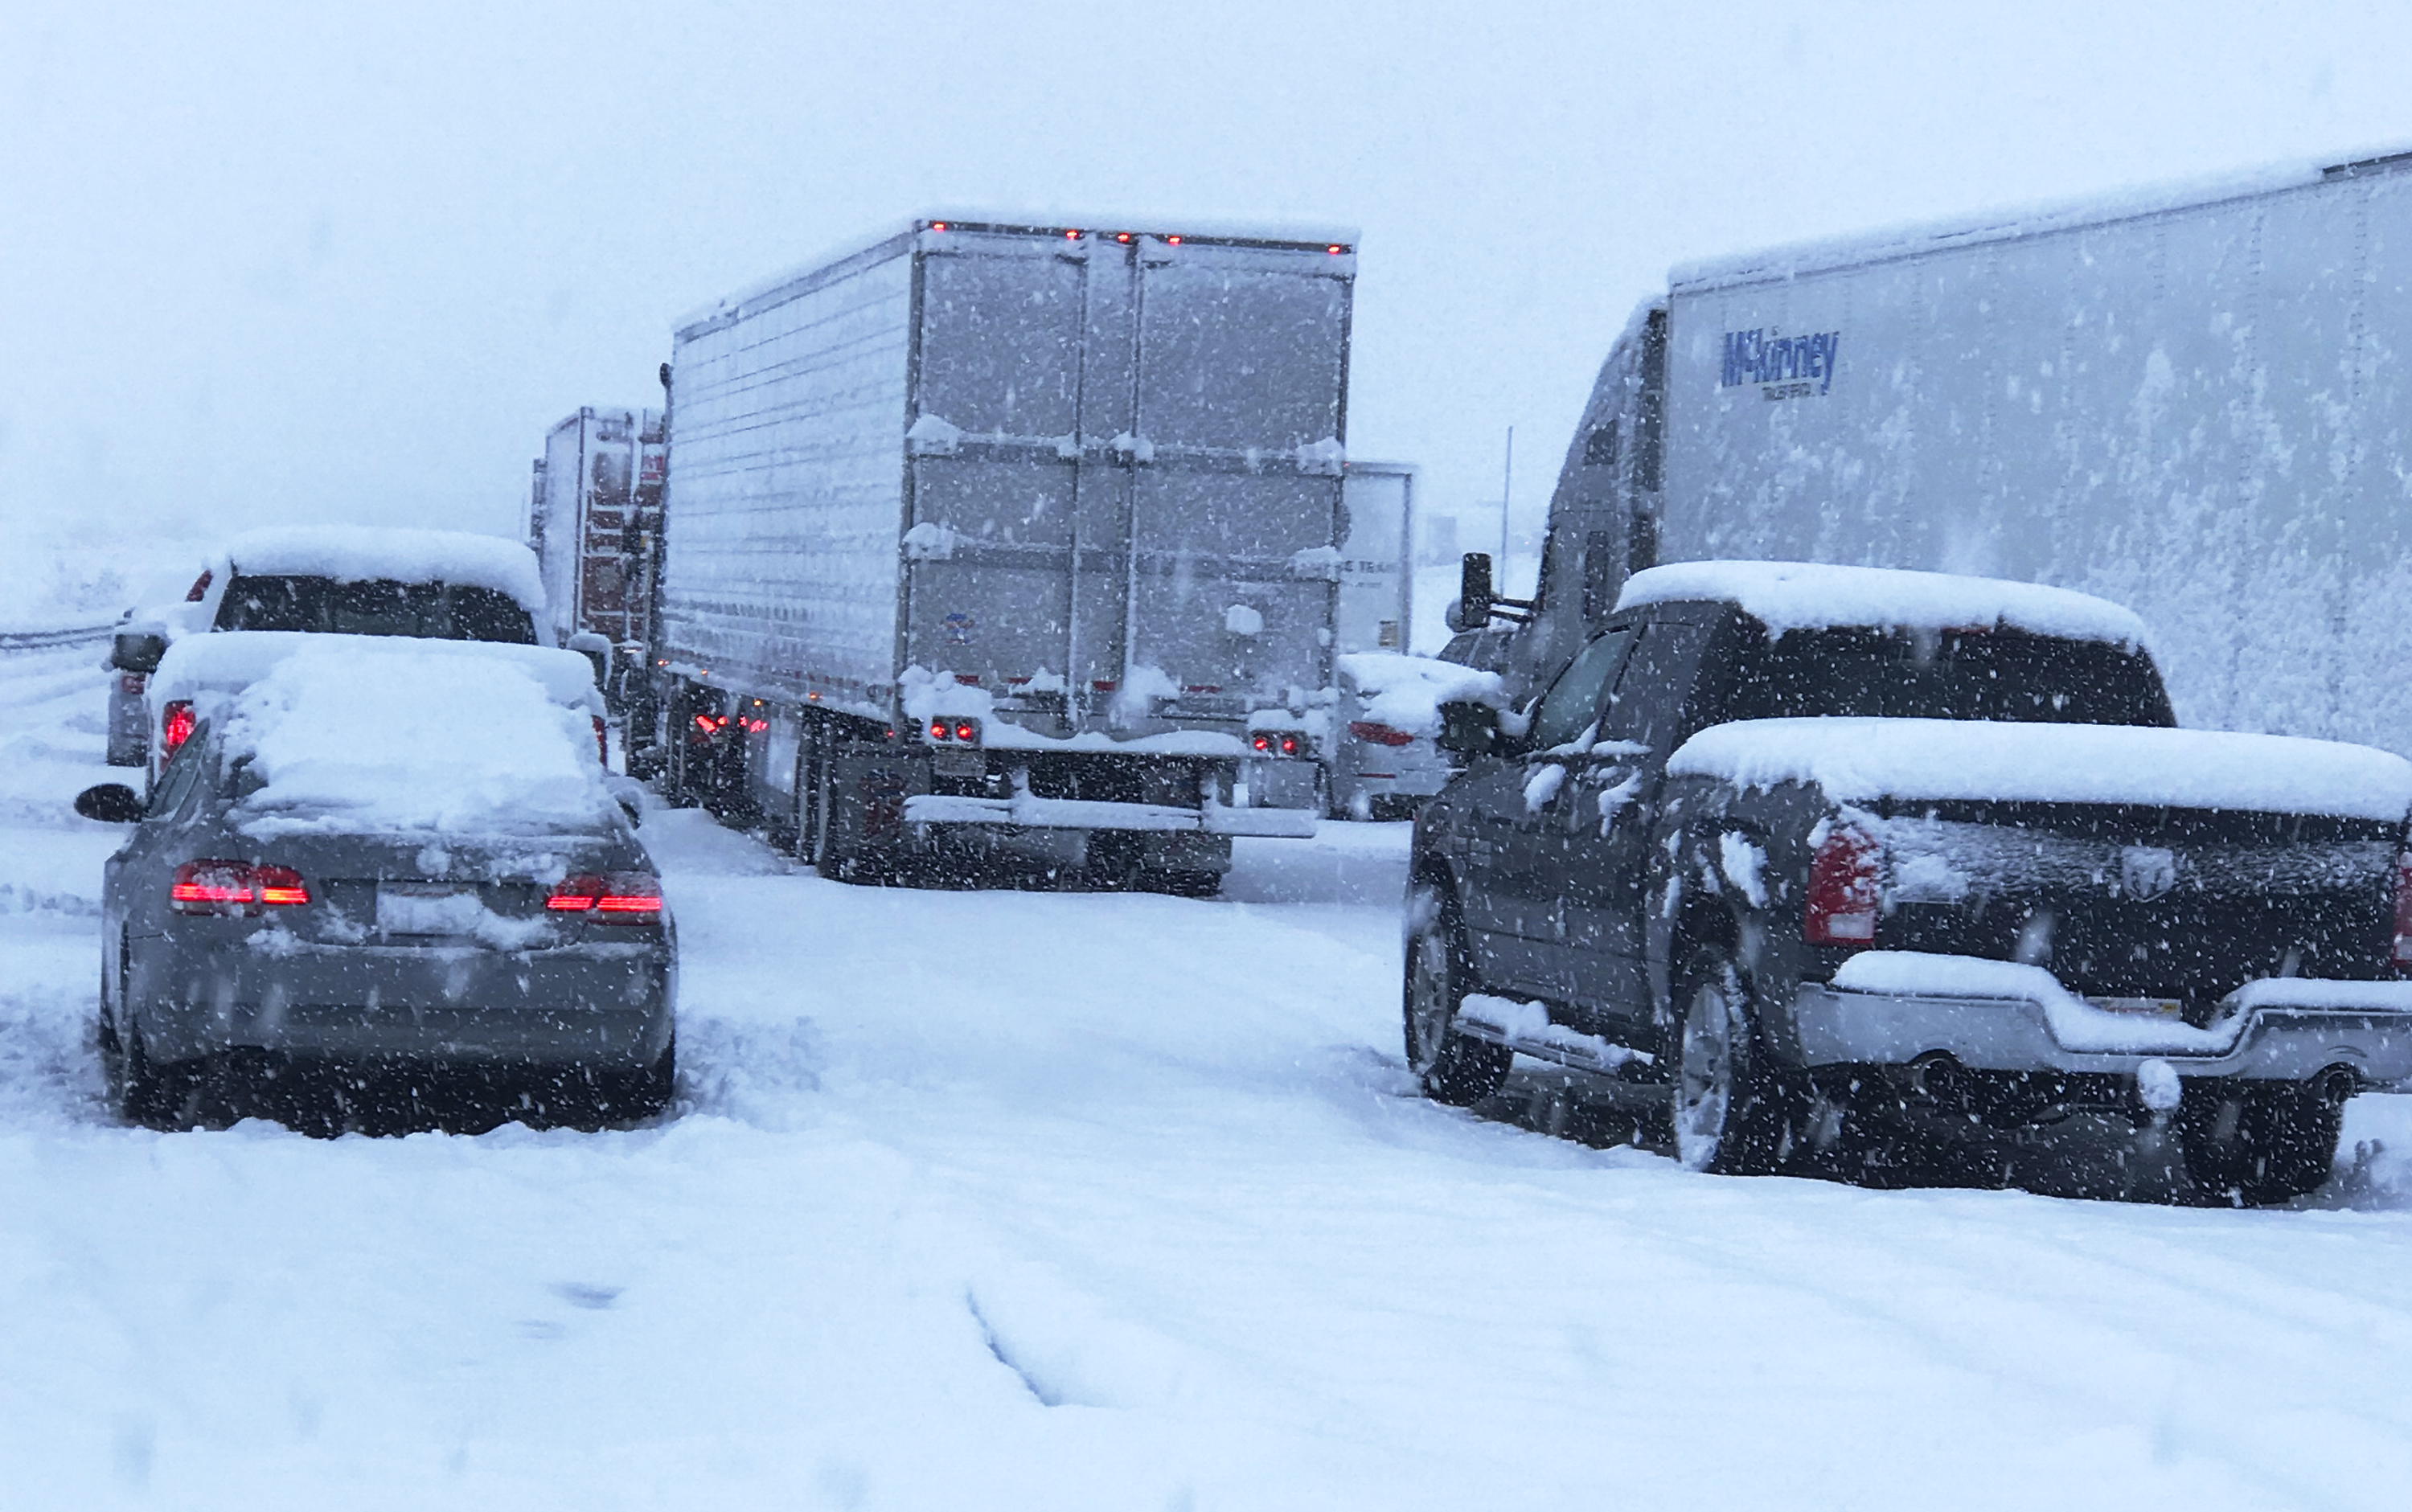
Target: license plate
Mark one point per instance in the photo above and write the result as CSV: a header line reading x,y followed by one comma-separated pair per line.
x,y
427,908
958,763
2148,1007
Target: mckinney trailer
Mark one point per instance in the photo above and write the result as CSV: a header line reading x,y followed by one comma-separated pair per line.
x,y
1007,542
595,522
2193,404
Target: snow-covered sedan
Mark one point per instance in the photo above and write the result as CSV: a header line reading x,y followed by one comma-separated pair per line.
x,y
1384,763
380,856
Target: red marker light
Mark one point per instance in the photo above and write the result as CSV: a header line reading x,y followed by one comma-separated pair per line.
x,y
1122,236
1336,249
938,729
1071,236
1172,240
175,726
1262,742
937,225
1289,745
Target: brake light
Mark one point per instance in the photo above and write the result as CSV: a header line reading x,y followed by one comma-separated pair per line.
x,y
1336,249
1381,734
1289,745
1844,879
939,730
1261,742
966,730
175,726
2402,952
615,897
235,889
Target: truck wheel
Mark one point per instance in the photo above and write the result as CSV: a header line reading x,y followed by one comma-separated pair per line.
x,y
2262,1145
1451,1067
1733,1113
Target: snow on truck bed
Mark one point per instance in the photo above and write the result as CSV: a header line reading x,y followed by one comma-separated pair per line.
x,y
352,553
392,738
1800,596
1868,760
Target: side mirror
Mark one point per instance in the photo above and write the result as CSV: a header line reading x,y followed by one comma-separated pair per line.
x,y
1467,728
110,803
137,651
1475,595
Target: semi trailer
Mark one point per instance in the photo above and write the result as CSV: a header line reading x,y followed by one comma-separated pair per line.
x,y
1012,541
594,514
2194,402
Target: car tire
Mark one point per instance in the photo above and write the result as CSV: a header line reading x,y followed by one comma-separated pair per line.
x,y
2261,1145
1450,1066
1733,1111
152,1097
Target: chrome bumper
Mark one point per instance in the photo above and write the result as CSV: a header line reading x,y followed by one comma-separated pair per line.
x,y
1024,811
2289,1041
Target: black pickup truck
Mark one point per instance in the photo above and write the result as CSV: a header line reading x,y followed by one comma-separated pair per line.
x,y
1844,862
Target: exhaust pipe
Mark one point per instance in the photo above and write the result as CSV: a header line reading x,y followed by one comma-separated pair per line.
x,y
2335,1086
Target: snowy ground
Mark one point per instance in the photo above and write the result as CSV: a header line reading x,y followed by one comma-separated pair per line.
x,y
1054,1201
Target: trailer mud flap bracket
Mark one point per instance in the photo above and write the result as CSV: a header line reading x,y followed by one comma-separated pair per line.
x,y
1024,811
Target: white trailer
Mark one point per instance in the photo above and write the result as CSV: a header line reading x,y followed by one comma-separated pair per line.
x,y
2194,403
1018,541
593,521
1377,580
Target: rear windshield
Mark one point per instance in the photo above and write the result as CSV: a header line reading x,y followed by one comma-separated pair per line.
x,y
374,607
1999,674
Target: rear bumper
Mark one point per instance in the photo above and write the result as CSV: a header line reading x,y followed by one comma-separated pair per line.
x,y
2290,1041
1024,811
605,1005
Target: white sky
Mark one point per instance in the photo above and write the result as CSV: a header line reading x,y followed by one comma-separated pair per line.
x,y
263,263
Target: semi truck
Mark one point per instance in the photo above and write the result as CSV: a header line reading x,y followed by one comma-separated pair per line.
x,y
1376,604
2190,401
1012,541
594,524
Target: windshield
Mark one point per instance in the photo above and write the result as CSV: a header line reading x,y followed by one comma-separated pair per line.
x,y
374,607
1997,674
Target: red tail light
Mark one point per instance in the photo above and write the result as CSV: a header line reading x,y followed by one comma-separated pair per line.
x,y
965,731
602,742
941,730
235,888
614,897
199,590
1845,878
175,726
1262,742
2402,952
1289,745
1367,729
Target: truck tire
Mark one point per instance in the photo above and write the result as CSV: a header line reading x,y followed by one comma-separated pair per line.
x,y
1733,1110
1448,1066
2260,1145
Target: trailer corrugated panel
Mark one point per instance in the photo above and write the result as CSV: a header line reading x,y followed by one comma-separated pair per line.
x,y
780,569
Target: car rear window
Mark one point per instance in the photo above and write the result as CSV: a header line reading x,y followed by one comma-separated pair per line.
x,y
1996,673
374,607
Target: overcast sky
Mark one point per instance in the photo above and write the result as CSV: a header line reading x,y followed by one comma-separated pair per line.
x,y
264,263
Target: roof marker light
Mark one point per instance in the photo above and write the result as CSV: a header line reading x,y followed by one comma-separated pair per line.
x,y
1122,236
937,225
1336,249
1172,240
1071,236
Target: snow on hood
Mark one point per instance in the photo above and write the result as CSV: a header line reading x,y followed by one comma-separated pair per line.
x,y
394,737
351,553
1862,760
1406,692
1796,596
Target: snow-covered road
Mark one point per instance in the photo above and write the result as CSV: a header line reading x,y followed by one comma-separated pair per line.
x,y
1025,1200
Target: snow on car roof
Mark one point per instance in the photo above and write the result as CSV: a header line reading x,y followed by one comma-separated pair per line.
x,y
1406,692
399,736
233,659
1794,595
349,553
1863,760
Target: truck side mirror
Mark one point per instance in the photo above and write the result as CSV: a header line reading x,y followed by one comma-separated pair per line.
x,y
1467,728
137,650
110,803
1474,594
